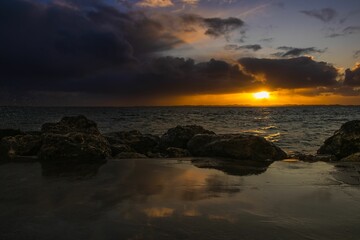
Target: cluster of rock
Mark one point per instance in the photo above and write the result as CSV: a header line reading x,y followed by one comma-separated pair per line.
x,y
344,145
78,140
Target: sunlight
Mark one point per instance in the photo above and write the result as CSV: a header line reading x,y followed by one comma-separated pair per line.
x,y
262,95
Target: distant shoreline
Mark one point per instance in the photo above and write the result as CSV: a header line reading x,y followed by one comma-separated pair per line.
x,y
185,106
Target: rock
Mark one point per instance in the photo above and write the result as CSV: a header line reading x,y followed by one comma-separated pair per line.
x,y
179,136
74,148
20,145
235,146
344,142
10,133
128,155
73,140
118,148
352,158
177,152
78,124
141,143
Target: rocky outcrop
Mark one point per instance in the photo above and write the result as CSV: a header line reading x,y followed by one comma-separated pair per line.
x,y
79,124
77,140
73,140
19,146
173,152
10,133
179,136
134,140
235,146
345,141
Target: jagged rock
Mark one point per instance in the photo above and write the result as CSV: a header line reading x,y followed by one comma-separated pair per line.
x,y
141,143
10,133
118,148
177,152
179,136
352,158
78,124
235,146
74,148
73,140
344,142
128,155
21,145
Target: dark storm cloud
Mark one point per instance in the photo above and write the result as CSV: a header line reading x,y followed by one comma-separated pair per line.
x,y
215,27
325,14
87,46
234,47
352,77
295,52
51,42
301,72
172,76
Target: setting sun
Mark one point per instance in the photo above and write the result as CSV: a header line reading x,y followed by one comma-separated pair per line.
x,y
262,95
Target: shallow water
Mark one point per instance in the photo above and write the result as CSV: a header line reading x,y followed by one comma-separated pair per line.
x,y
301,129
173,199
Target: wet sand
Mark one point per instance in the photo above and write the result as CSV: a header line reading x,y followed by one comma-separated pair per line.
x,y
174,199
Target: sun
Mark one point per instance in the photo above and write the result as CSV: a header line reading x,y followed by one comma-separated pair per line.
x,y
262,95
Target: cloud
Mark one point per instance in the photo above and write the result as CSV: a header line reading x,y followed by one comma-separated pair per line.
x,y
234,47
352,76
155,3
266,40
215,27
325,14
190,2
346,31
295,52
301,72
356,54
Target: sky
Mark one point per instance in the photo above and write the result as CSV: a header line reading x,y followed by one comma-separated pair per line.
x,y
179,52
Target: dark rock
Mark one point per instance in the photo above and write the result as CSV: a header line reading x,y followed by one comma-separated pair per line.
x,y
128,155
74,148
235,146
118,148
78,124
141,143
352,158
179,136
73,140
21,145
10,133
177,152
344,142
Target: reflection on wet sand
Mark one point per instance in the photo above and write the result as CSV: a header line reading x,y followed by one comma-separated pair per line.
x,y
237,168
173,199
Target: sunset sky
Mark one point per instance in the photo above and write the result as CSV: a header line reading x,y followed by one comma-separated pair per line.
x,y
179,52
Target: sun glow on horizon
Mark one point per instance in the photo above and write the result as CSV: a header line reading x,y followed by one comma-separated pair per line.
x,y
261,95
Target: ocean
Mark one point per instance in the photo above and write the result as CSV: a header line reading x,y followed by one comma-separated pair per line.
x,y
301,129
